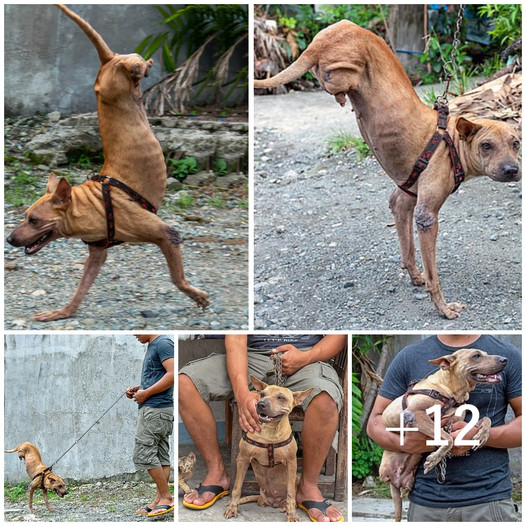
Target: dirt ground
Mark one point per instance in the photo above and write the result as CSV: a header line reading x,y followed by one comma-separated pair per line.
x,y
326,250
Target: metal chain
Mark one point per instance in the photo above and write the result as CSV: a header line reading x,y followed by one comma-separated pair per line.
x,y
450,66
278,365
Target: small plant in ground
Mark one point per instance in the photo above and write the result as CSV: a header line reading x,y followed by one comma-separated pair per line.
x,y
221,167
181,168
185,199
15,493
217,201
85,158
344,141
22,188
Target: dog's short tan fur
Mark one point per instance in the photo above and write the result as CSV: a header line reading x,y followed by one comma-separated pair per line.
x,y
352,62
278,484
132,155
34,466
458,375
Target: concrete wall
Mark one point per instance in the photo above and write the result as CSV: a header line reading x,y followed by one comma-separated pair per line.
x,y
56,386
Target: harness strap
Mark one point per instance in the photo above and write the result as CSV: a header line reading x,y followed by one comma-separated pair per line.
x,y
269,447
106,184
43,475
422,162
448,402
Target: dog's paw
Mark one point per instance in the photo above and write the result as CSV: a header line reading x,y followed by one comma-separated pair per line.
x,y
230,511
452,310
431,462
293,517
199,296
52,315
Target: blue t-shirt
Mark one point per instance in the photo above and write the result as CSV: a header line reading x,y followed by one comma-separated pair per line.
x,y
482,475
161,349
265,342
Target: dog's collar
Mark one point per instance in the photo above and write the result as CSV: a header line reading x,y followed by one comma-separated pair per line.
x,y
106,183
269,447
440,135
43,475
448,402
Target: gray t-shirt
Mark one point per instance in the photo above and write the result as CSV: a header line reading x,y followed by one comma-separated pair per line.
x,y
265,342
482,475
153,370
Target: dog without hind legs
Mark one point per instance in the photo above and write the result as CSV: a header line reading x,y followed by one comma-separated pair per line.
x,y
41,476
271,452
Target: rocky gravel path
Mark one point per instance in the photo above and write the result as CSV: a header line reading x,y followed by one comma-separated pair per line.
x,y
98,502
326,250
133,290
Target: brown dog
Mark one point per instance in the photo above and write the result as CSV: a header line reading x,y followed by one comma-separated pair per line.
x,y
132,155
41,477
458,375
350,61
275,472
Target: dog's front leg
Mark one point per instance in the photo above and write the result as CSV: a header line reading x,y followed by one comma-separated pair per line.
x,y
426,217
92,266
425,425
31,491
402,206
292,469
44,494
241,470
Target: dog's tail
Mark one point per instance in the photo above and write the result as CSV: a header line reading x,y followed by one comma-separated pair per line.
x,y
396,495
105,53
11,450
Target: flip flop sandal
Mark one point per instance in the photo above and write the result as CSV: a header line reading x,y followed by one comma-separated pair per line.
x,y
161,510
146,509
218,491
322,506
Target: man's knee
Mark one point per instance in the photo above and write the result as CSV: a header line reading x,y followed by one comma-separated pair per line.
x,y
187,389
323,403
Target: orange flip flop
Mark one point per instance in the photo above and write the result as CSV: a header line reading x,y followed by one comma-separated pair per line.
x,y
322,506
218,491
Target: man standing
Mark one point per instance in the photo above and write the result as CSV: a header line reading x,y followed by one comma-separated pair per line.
x,y
155,422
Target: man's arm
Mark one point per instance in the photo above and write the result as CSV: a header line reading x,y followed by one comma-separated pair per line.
x,y
508,435
161,385
237,368
293,359
414,442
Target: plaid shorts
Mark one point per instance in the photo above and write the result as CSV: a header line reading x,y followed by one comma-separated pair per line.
x,y
152,438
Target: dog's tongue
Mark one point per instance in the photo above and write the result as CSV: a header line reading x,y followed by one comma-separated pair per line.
x,y
491,378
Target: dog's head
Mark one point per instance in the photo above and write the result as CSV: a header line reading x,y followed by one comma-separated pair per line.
x,y
476,366
42,219
491,148
276,402
55,483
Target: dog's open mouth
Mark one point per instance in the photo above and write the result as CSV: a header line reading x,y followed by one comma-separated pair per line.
x,y
34,247
265,419
487,378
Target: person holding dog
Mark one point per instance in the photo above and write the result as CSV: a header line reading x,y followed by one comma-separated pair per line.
x,y
219,377
155,424
477,485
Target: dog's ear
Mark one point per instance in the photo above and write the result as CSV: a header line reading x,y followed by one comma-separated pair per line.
x,y
299,396
257,383
444,362
52,183
466,128
62,194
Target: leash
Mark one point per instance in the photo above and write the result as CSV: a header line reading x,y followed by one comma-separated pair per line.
x,y
269,447
278,369
106,184
82,436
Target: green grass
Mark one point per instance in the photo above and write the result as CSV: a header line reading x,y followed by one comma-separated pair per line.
x,y
22,189
15,493
344,141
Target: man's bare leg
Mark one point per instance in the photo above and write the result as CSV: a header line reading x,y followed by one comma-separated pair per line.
x,y
201,425
157,500
316,440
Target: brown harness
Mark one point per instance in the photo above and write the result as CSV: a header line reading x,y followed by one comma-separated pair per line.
x,y
269,447
440,135
448,402
43,475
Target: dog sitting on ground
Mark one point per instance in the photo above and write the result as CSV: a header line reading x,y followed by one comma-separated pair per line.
x,y
449,387
41,476
271,452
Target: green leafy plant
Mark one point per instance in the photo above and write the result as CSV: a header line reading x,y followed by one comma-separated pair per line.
x,y
221,167
506,20
23,187
219,29
343,141
15,493
185,200
181,168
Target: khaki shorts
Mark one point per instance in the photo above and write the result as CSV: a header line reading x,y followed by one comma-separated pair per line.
x,y
210,377
152,444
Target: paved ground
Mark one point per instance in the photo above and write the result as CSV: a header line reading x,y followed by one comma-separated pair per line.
x,y
247,512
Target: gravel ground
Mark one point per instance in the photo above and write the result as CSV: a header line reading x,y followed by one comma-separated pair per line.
x,y
133,290
326,250
98,502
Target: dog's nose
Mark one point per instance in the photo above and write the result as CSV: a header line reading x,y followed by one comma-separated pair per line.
x,y
9,240
261,405
510,171
503,360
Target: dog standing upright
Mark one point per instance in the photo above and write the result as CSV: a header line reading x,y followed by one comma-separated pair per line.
x,y
449,388
350,61
41,476
119,205
271,452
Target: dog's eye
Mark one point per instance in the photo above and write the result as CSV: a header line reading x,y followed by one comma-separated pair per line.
x,y
32,220
486,146
516,145
281,398
476,355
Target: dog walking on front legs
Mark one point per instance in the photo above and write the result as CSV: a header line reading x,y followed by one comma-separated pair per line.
x,y
41,476
271,452
120,204
449,388
350,61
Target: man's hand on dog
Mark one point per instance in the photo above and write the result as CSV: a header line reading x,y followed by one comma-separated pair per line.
x,y
455,430
248,417
292,359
